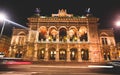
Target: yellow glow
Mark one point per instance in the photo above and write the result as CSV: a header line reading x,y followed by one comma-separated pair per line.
x,y
42,52
49,38
75,38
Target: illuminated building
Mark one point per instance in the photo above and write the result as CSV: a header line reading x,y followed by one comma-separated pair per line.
x,y
4,45
63,37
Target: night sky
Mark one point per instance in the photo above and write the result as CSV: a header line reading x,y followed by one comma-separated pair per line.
x,y
19,10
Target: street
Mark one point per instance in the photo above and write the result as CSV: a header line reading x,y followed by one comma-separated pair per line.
x,y
60,70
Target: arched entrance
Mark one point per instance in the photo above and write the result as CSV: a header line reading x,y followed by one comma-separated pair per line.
x,y
41,53
62,54
107,56
18,54
52,54
73,54
85,54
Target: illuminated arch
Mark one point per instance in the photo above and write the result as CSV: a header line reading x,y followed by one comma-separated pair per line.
x,y
63,34
41,53
82,30
103,34
52,53
43,30
42,33
73,53
62,27
21,33
52,27
83,33
73,27
52,31
62,54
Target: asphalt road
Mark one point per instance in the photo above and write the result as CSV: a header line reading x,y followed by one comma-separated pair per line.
x,y
59,70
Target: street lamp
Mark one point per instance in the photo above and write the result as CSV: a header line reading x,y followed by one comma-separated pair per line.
x,y
2,18
118,23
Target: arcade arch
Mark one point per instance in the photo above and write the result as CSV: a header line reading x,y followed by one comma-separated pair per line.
x,y
52,33
42,33
62,34
83,33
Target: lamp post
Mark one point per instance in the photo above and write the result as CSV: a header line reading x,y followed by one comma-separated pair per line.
x,y
2,18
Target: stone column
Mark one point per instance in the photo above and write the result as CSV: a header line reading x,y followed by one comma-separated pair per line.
x,y
57,53
29,35
10,52
37,36
57,38
68,54
79,54
35,53
46,53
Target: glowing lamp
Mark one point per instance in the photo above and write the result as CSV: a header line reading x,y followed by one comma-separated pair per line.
x,y
118,23
2,16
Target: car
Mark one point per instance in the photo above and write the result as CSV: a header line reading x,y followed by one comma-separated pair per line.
x,y
115,63
18,61
2,54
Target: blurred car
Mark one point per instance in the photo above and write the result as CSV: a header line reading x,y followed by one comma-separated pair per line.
x,y
115,63
1,55
14,61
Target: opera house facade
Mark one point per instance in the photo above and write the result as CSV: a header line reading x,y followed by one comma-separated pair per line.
x,y
63,37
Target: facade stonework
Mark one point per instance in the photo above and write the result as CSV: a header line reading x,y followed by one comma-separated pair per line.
x,y
4,45
63,37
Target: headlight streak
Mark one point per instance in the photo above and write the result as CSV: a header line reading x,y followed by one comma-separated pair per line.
x,y
98,66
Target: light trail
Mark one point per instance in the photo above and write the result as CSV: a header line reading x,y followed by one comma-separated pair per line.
x,y
16,24
99,66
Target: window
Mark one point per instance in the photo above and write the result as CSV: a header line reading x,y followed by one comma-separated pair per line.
x,y
104,41
21,40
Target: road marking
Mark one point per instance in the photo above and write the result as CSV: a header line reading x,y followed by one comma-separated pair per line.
x,y
99,66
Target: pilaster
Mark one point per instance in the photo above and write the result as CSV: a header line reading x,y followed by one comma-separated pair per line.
x,y
68,54
35,52
79,54
46,53
57,53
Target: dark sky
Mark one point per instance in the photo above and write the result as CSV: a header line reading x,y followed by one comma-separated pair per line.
x,y
19,10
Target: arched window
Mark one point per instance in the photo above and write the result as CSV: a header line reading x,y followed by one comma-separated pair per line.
x,y
83,34
62,34
42,54
52,53
42,33
85,54
52,34
73,34
21,39
73,54
62,54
